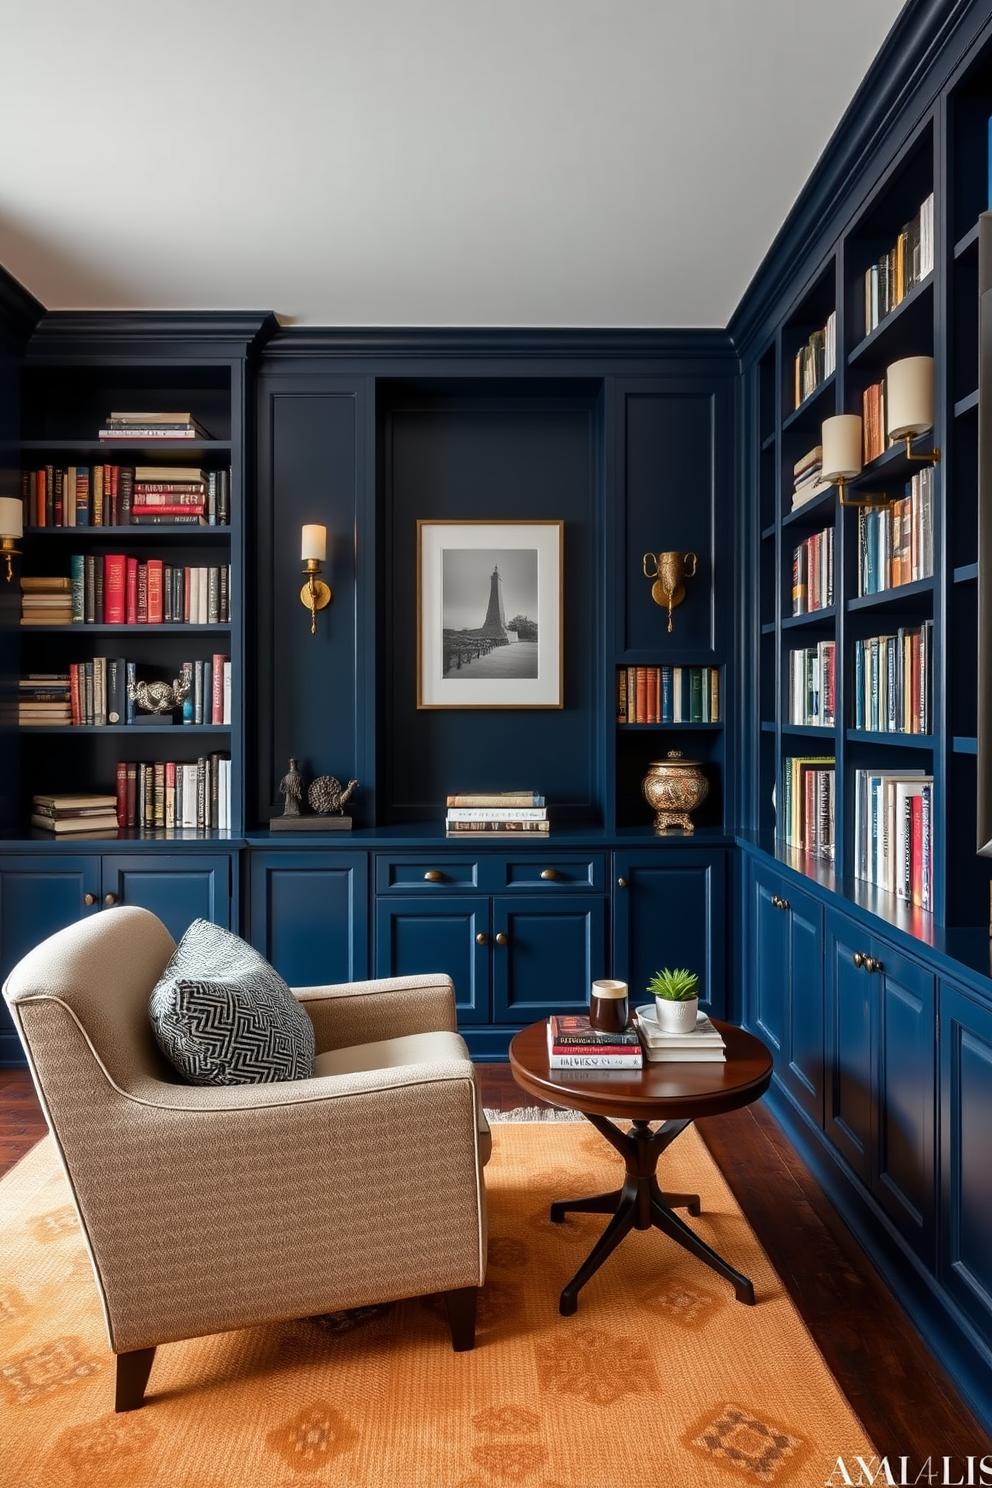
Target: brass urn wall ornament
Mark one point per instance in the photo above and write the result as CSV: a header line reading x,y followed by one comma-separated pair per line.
x,y
669,571
673,787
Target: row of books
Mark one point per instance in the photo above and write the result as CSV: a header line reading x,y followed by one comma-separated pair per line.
x,y
154,425
895,542
125,496
813,573
906,264
574,1044
98,693
806,811
816,360
668,694
170,793
813,685
807,477
114,589
893,681
893,838
497,813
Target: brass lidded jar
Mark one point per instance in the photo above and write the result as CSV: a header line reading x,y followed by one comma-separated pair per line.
x,y
673,787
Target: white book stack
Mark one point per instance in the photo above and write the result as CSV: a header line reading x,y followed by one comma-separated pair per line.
x,y
704,1043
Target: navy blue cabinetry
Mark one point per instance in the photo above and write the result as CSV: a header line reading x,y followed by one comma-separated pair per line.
x,y
309,914
786,983
966,1171
43,892
669,909
881,1089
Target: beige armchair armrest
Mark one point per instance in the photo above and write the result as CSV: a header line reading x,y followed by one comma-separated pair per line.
x,y
364,1012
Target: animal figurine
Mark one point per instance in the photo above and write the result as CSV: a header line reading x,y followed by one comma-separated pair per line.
x,y
327,795
159,697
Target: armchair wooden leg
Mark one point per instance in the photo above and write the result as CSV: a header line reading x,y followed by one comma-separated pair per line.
x,y
460,1305
133,1370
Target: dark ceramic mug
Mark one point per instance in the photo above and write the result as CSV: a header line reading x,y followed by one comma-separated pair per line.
x,y
609,1007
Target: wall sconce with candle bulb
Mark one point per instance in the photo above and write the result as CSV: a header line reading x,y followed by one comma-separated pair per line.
x,y
315,594
908,414
11,530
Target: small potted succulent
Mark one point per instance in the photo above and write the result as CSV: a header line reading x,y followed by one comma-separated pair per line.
x,y
676,1000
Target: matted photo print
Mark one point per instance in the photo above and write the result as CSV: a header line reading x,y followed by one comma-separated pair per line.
x,y
489,614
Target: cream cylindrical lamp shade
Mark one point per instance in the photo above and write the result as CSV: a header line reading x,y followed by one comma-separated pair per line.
x,y
11,517
840,438
314,542
909,397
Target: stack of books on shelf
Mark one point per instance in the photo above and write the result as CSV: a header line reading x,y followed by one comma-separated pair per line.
x,y
155,425
816,360
497,814
125,495
873,435
813,573
43,699
87,812
169,793
895,542
668,694
893,681
703,1044
98,693
806,477
902,268
573,1043
813,685
806,808
46,601
893,840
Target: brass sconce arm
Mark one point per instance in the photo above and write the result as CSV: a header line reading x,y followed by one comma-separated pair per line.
x,y
669,571
315,594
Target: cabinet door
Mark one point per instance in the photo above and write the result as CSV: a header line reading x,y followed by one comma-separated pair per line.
x,y
803,1072
966,1172
669,909
309,915
179,888
903,1177
37,897
445,934
546,952
848,1117
769,991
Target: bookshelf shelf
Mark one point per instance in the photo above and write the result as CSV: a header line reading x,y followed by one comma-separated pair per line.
x,y
962,744
907,596
807,415
133,731
158,451
968,243
812,618
812,514
902,323
896,739
967,573
967,405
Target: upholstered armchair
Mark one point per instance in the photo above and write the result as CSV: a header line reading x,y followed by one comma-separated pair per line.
x,y
209,1208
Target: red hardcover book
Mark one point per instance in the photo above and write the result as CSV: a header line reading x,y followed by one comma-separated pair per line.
x,y
156,591
110,491
653,694
74,704
40,487
167,509
132,793
142,594
916,855
131,592
114,589
217,689
121,783
641,687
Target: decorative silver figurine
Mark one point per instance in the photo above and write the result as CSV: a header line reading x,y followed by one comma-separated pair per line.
x,y
159,697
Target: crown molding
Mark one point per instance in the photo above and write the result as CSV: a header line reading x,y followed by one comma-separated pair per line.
x,y
19,310
66,334
924,46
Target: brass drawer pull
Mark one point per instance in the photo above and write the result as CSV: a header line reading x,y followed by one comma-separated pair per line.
x,y
482,938
779,903
434,875
858,959
550,873
621,883
110,898
871,964
502,939
89,899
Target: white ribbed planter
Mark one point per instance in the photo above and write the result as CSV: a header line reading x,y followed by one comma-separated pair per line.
x,y
676,1017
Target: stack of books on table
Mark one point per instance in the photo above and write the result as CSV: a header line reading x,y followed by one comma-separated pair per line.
x,y
573,1043
83,813
497,813
704,1043
154,425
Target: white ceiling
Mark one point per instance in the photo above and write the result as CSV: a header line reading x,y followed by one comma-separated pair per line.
x,y
416,162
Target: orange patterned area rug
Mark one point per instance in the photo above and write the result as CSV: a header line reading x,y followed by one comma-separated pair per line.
x,y
660,1380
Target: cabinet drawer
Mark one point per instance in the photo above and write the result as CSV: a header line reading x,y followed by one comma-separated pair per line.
x,y
544,870
432,872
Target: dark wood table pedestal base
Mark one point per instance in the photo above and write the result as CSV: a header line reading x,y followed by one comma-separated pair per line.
x,y
640,1204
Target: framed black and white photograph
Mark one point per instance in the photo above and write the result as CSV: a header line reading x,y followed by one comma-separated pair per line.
x,y
489,614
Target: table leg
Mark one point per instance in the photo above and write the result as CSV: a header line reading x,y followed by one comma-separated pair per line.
x,y
622,1221
598,1204
670,1224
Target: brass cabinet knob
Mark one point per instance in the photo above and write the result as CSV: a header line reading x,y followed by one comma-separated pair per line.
x,y
550,873
871,964
89,899
434,875
778,903
482,938
502,939
621,883
110,898
858,959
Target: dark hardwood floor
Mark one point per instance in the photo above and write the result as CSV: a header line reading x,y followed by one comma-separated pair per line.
x,y
905,1401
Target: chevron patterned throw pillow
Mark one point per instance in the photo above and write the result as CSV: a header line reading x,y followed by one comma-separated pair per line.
x,y
223,1016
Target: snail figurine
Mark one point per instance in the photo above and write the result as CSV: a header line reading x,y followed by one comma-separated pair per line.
x,y
327,795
